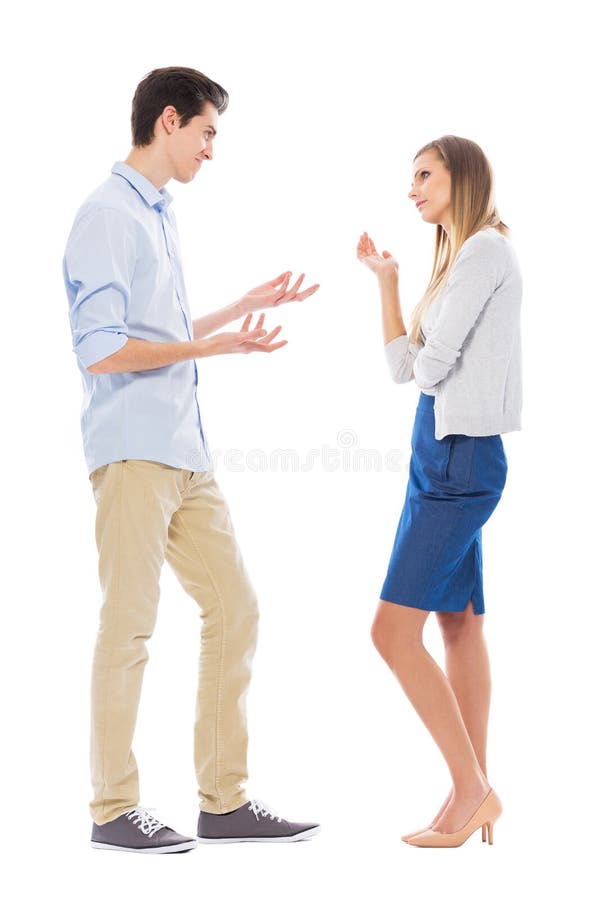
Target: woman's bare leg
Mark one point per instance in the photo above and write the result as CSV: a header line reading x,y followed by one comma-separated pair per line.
x,y
397,634
468,671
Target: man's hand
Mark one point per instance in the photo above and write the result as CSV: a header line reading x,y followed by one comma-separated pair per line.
x,y
244,340
274,293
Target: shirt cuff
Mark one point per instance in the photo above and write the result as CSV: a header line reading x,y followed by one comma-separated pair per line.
x,y
99,345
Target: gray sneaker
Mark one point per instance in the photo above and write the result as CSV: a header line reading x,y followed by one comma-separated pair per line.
x,y
140,832
252,822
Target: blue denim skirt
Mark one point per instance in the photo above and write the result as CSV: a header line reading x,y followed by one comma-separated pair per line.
x,y
454,485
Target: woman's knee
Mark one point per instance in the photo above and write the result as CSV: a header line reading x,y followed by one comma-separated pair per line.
x,y
396,629
378,634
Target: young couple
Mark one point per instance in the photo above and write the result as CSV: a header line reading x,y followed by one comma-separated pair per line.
x,y
156,495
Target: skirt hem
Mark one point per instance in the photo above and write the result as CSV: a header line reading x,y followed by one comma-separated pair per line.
x,y
478,609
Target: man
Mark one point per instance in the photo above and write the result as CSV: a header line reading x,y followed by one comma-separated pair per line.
x,y
151,473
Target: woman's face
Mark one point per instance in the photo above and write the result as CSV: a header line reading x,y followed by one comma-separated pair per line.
x,y
430,189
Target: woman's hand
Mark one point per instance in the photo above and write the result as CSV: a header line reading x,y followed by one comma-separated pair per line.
x,y
274,293
245,340
382,265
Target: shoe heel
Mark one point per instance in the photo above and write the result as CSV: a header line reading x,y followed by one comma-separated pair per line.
x,y
489,827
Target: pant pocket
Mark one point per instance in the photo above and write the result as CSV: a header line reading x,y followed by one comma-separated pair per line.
x,y
98,472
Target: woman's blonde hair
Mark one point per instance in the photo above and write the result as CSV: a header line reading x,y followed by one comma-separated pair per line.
x,y
473,207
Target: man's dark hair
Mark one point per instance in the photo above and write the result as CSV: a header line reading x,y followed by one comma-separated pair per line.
x,y
185,89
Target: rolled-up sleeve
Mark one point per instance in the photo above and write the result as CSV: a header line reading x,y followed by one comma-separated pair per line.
x,y
98,268
401,353
476,273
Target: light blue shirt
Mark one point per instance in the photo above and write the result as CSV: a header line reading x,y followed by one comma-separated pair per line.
x,y
123,276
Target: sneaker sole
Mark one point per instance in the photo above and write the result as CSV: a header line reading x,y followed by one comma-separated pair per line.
x,y
301,836
173,848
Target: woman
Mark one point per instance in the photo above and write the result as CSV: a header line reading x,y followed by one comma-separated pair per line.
x,y
464,353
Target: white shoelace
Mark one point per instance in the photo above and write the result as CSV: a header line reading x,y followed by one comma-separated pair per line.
x,y
147,823
258,807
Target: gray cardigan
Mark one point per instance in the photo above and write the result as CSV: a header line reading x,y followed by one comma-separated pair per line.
x,y
471,360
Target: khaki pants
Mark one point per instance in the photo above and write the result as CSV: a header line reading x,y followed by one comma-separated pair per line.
x,y
147,511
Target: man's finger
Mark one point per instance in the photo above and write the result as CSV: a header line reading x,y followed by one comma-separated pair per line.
x,y
267,348
297,284
253,335
307,292
289,295
302,296
271,335
276,281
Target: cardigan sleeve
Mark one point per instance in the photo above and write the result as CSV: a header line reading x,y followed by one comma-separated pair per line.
x,y
476,273
401,353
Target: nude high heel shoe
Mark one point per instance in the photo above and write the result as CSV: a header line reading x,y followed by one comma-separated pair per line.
x,y
483,817
406,837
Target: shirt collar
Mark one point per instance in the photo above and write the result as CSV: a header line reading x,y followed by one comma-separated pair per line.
x,y
159,199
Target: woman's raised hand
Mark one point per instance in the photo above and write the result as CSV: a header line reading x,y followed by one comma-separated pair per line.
x,y
367,254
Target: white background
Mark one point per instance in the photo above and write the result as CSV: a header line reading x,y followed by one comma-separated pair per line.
x,y
329,103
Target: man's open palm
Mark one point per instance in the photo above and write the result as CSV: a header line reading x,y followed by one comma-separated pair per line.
x,y
247,340
275,293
